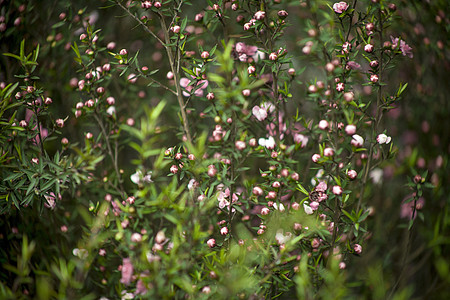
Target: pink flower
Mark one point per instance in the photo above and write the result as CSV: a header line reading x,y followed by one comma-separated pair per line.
x,y
357,248
240,145
127,271
340,7
259,15
321,187
265,211
337,190
353,65
340,87
301,139
136,237
201,85
259,113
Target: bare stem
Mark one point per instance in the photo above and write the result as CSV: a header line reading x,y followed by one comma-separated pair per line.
x,y
112,155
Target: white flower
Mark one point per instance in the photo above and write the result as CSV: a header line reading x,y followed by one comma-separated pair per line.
x,y
376,175
281,238
383,139
111,110
268,143
319,175
281,208
81,253
308,209
139,178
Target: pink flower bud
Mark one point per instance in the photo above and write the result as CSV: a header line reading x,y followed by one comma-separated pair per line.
x,y
329,67
368,48
295,206
252,142
276,184
323,124
176,29
90,103
210,96
282,14
110,100
64,141
48,101
77,113
257,191
315,158
160,237
224,231
23,124
352,174
295,176
357,248
212,171
357,141
240,145
349,96
328,152
374,63
284,172
174,169
251,69
89,135
265,211
246,92
350,129
205,54
100,90
123,52
312,88
136,237
60,123
273,56
132,78
191,156
374,78
157,4
272,195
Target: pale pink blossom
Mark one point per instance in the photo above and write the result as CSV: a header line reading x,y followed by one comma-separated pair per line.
x,y
340,7
127,271
259,113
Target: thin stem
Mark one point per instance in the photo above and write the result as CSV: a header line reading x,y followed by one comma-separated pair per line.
x,y
176,76
112,155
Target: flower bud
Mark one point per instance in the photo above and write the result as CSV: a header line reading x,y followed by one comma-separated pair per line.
x,y
205,54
